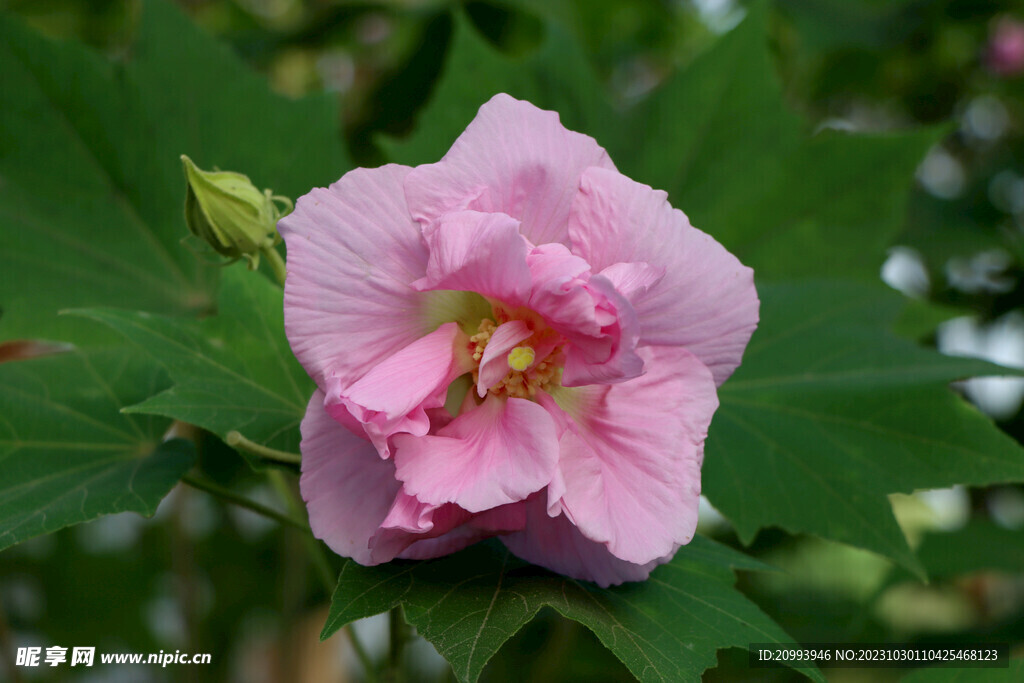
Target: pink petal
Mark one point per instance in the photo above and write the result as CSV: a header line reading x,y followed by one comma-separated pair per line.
x,y
348,489
396,394
498,453
352,252
598,322
494,362
410,520
612,357
632,280
358,508
559,291
415,530
499,520
554,543
554,262
706,301
410,514
477,252
631,456
513,158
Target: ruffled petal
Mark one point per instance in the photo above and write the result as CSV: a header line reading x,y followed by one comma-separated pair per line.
x,y
560,293
348,489
515,159
500,452
477,252
415,530
353,251
499,520
598,322
632,280
411,521
630,458
494,362
706,301
554,543
396,394
611,356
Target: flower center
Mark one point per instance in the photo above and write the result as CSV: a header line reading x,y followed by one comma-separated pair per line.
x,y
535,363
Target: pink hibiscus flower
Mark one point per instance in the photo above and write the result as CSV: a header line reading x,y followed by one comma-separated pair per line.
x,y
518,341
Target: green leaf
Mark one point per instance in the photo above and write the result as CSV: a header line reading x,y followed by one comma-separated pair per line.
x,y
91,187
667,628
835,24
981,545
719,138
944,230
829,413
555,76
67,455
233,371
921,318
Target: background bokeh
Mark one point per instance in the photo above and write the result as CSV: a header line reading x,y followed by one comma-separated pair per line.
x,y
203,577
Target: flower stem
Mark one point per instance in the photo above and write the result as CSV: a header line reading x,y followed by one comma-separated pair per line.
x,y
314,550
399,632
236,440
276,263
229,496
323,568
361,654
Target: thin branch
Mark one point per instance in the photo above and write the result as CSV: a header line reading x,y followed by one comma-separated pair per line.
x,y
229,496
399,632
361,654
323,568
313,548
237,441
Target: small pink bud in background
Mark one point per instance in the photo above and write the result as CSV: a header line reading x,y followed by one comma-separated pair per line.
x,y
1005,52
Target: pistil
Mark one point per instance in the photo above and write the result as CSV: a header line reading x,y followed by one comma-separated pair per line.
x,y
526,374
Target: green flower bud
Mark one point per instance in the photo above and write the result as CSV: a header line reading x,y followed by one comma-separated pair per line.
x,y
229,213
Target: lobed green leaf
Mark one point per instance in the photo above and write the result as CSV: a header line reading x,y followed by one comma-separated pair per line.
x,y
468,605
231,372
830,412
67,453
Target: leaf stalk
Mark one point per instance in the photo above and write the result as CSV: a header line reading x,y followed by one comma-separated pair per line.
x,y
239,442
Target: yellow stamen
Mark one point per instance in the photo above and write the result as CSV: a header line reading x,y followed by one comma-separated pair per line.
x,y
523,378
521,358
